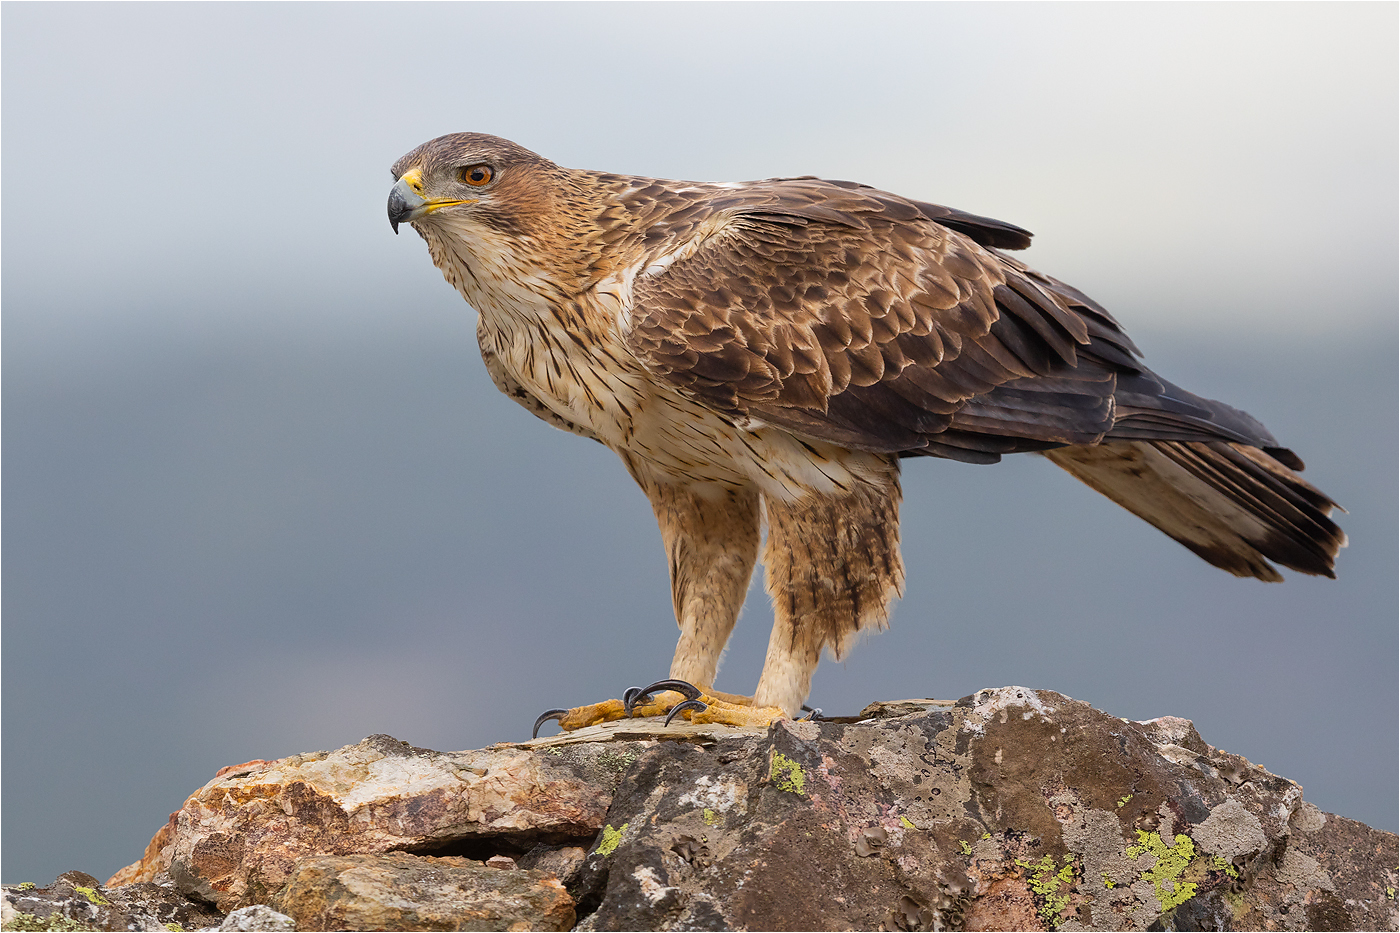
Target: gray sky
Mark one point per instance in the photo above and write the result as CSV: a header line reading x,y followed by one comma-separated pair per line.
x,y
261,497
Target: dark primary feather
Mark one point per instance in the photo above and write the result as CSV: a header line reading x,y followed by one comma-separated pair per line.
x,y
1234,505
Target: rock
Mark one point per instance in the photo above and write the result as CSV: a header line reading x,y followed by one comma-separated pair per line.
x,y
1011,809
79,901
235,841
156,859
399,891
257,917
257,764
563,862
1015,809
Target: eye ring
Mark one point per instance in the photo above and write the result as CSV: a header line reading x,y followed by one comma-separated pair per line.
x,y
476,175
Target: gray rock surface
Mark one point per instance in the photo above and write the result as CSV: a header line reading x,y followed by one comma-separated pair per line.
x,y
78,901
1014,810
256,918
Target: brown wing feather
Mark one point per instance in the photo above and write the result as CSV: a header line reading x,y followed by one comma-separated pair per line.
x,y
987,231
854,316
848,315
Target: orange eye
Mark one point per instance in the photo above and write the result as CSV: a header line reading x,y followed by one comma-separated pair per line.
x,y
477,175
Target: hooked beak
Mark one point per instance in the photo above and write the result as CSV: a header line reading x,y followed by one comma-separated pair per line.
x,y
406,201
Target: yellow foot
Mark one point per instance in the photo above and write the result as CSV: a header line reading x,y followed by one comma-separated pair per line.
x,y
634,703
701,706
669,698
729,714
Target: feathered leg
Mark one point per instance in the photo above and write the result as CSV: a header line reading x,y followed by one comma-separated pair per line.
x,y
833,568
711,546
711,539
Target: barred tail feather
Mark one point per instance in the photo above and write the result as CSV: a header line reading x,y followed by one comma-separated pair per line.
x,y
1236,506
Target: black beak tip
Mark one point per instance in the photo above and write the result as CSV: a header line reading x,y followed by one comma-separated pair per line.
x,y
399,211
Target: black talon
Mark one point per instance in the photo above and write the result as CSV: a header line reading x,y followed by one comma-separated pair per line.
x,y
685,705
814,713
683,687
546,716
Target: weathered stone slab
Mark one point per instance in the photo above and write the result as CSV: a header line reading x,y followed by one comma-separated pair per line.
x,y
399,891
236,840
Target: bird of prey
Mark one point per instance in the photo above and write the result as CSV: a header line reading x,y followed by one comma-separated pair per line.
x,y
767,352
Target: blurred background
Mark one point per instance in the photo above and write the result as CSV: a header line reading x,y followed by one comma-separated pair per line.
x,y
261,497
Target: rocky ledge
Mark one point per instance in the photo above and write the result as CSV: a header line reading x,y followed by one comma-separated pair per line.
x,y
1012,809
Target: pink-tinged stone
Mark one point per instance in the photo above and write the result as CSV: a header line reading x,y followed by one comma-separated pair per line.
x,y
236,840
398,891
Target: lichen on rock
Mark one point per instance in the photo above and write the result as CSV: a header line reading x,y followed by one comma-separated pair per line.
x,y
77,901
1010,809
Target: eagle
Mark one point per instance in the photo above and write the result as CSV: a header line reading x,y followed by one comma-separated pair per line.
x,y
764,354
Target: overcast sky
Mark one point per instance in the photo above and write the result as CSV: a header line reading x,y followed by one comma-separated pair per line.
x,y
261,498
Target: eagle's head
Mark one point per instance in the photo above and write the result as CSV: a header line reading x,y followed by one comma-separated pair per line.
x,y
472,181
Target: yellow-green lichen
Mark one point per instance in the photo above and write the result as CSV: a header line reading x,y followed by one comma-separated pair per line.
x,y
986,835
1220,863
616,763
610,839
1390,892
55,922
174,928
710,817
787,774
1165,874
966,849
904,821
1051,883
25,886
1123,801
1108,882
91,894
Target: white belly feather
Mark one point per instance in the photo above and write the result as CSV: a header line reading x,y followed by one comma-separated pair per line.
x,y
606,391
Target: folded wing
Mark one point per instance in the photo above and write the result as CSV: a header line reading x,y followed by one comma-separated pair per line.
x,y
852,316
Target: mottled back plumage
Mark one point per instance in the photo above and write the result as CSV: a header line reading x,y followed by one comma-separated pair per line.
x,y
775,347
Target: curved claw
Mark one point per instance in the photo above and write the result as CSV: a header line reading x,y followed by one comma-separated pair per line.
x,y
685,705
814,713
683,687
546,716
686,688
